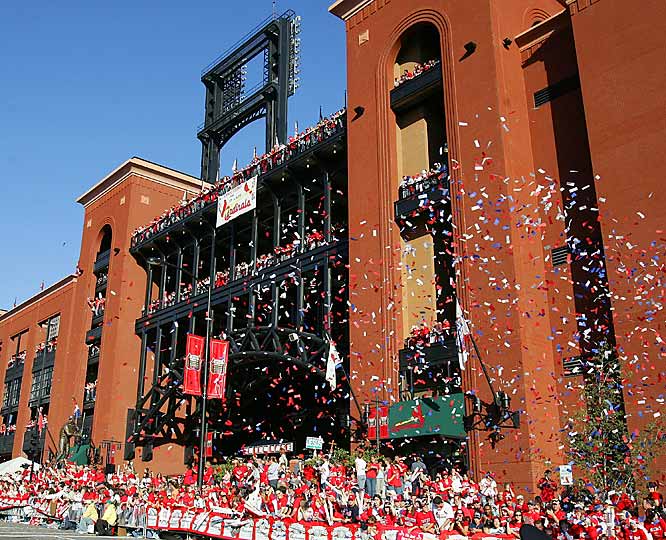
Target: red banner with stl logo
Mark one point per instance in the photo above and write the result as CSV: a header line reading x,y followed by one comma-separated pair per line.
x,y
193,355
378,418
217,370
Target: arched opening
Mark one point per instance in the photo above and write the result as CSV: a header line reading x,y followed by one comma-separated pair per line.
x,y
106,236
421,148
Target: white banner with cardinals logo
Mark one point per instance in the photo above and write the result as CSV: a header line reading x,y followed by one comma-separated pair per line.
x,y
219,525
237,201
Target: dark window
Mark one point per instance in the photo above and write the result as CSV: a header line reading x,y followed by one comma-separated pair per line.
x,y
553,91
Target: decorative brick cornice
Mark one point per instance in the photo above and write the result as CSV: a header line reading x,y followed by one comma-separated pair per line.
x,y
346,9
576,6
354,12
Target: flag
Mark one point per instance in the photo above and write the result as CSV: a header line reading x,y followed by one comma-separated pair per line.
x,y
331,363
193,351
234,167
462,330
217,369
296,128
40,421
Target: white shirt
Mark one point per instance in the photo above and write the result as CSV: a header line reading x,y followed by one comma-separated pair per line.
x,y
324,471
273,471
444,513
360,466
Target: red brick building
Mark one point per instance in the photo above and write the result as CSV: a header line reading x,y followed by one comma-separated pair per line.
x,y
552,116
550,234
74,356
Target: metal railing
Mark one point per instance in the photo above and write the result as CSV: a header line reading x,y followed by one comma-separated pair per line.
x,y
326,129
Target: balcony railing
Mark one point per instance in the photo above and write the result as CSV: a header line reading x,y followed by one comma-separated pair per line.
x,y
102,261
7,440
242,271
326,129
15,366
94,335
429,361
44,358
417,196
412,91
90,394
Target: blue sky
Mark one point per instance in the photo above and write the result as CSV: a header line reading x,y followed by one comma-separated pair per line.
x,y
85,85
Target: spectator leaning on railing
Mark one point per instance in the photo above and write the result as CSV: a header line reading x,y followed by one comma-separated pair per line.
x,y
259,165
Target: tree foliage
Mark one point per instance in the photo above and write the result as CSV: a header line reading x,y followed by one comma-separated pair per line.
x,y
605,454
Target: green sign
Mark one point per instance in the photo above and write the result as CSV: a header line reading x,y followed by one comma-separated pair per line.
x,y
79,454
428,416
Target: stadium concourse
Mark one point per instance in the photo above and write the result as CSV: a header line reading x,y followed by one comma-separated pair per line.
x,y
277,497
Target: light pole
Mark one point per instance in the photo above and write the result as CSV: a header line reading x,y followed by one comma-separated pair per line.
x,y
203,427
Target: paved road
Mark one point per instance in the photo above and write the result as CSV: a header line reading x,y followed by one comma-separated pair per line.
x,y
15,531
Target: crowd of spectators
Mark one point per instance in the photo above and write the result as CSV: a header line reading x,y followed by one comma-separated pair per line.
x,y
97,305
424,181
424,335
16,359
48,346
90,391
313,239
7,429
374,492
418,69
35,423
280,153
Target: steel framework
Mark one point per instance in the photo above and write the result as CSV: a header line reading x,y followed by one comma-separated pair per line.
x,y
230,106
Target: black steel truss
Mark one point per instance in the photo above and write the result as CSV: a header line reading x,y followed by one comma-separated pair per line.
x,y
230,106
157,419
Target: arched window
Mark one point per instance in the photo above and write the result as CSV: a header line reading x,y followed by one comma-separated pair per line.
x,y
417,100
105,242
420,118
419,45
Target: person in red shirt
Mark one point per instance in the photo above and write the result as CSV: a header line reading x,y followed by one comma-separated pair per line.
x,y
533,514
209,474
655,497
547,486
371,477
394,478
633,532
190,478
655,525
425,519
239,472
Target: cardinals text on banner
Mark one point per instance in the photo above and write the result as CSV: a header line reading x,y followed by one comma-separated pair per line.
x,y
237,201
217,370
193,353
